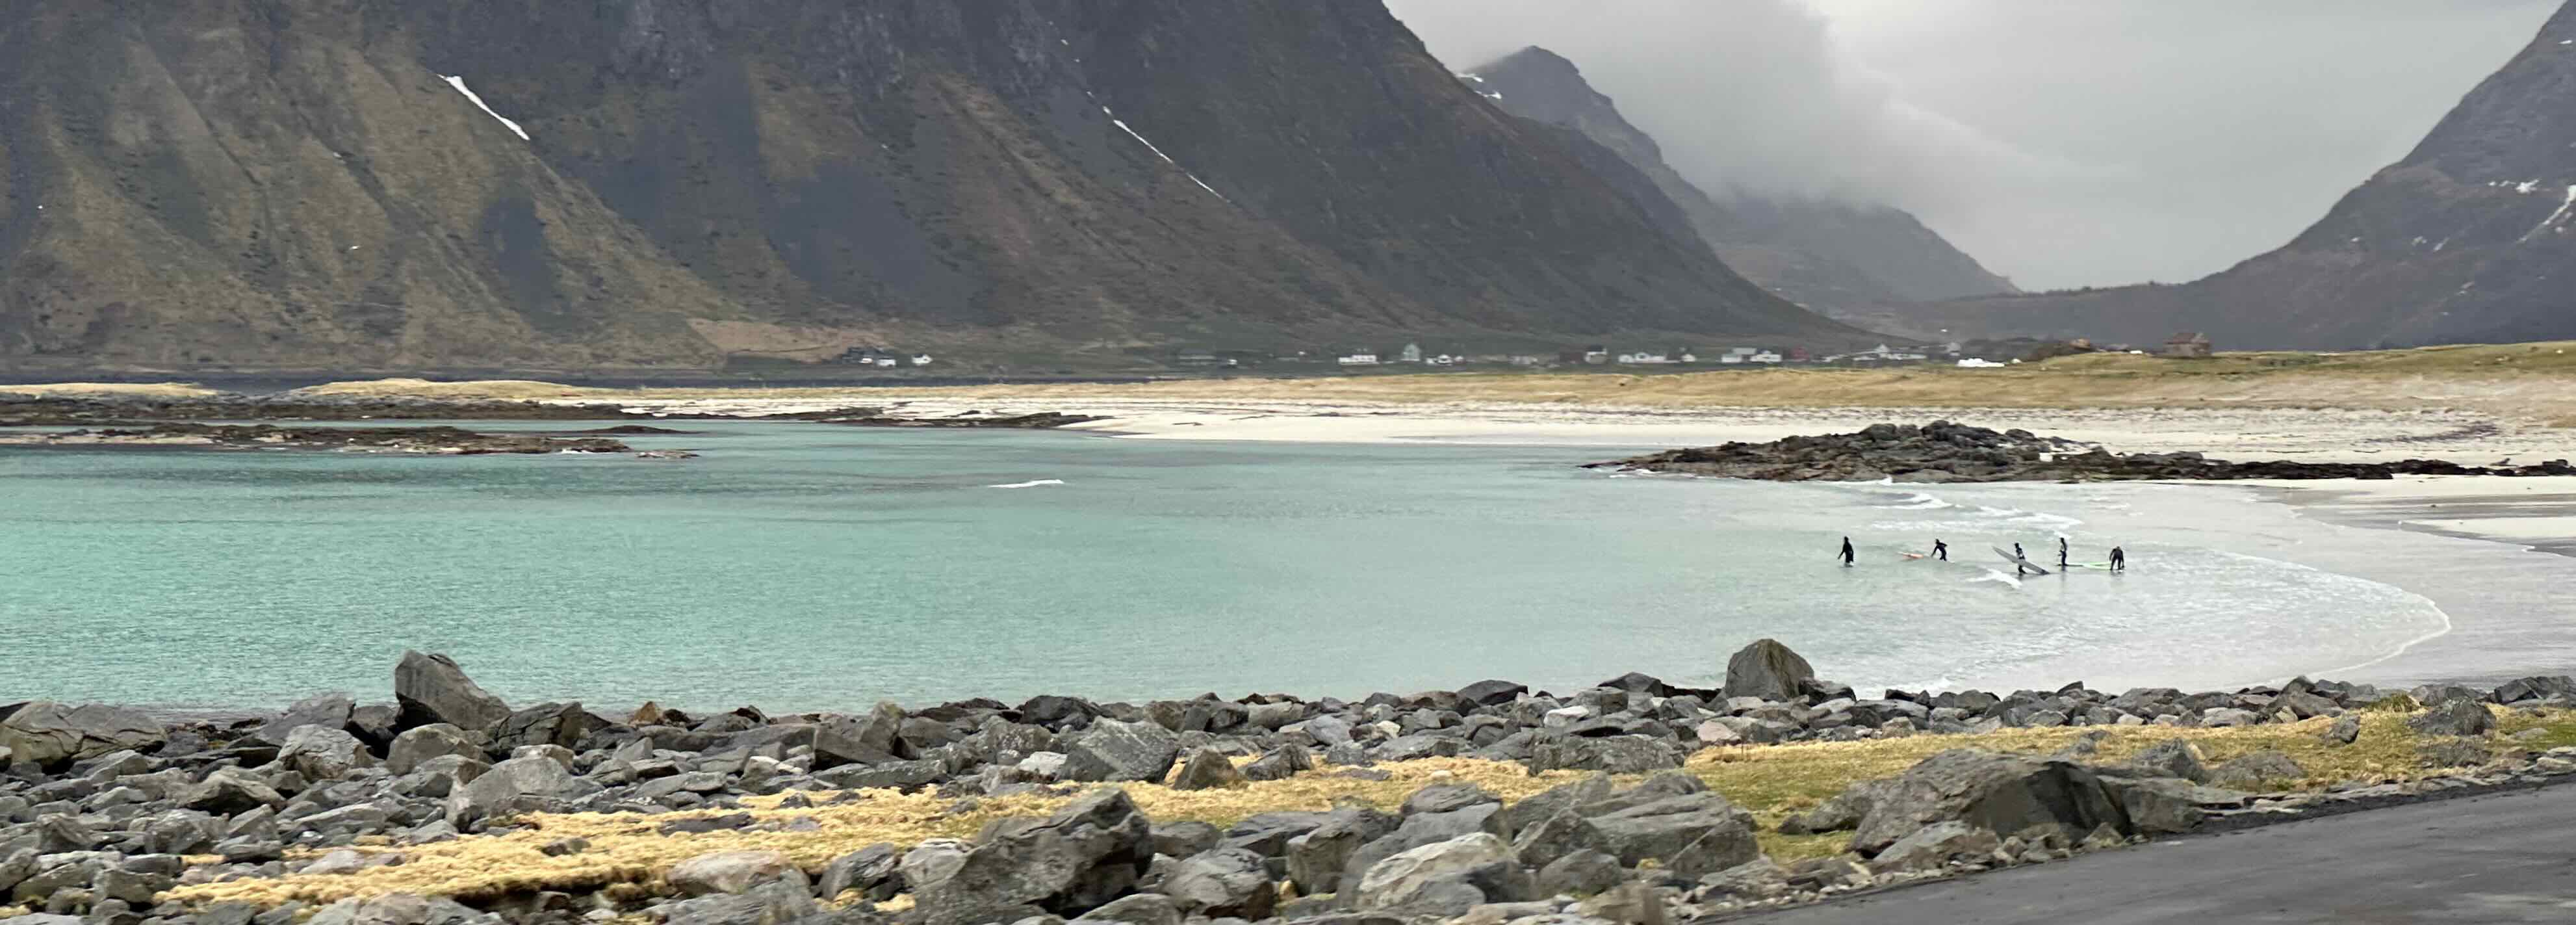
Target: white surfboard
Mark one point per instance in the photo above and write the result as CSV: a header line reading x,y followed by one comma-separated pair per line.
x,y
2017,560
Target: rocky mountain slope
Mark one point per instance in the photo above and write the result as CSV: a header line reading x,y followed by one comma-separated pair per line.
x,y
1832,257
2470,238
376,184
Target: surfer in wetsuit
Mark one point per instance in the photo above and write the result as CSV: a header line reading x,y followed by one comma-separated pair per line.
x,y
2021,561
2061,554
1941,550
1847,552
2119,560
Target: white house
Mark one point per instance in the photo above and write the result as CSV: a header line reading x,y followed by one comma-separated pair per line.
x,y
1763,357
1732,359
885,361
921,359
1976,363
1643,359
1743,351
1359,359
1412,354
1690,358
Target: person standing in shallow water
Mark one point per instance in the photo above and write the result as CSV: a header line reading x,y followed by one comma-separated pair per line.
x,y
1941,550
2061,554
2119,560
1846,555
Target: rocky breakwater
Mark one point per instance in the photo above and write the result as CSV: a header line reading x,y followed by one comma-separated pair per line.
x,y
108,816
437,441
1947,452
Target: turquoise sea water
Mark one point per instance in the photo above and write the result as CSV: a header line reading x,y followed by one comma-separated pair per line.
x,y
813,567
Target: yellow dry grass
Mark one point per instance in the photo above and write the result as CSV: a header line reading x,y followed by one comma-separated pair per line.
x,y
117,389
2528,382
1772,782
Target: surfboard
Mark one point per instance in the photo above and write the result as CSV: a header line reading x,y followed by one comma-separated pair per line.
x,y
2017,560
1911,555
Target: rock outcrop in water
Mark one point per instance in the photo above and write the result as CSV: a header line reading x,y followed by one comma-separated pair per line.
x,y
104,813
437,441
1945,452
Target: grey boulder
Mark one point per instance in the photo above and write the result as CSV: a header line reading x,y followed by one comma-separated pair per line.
x,y
1768,670
1999,793
1088,853
50,734
430,688
1445,878
1226,882
1112,750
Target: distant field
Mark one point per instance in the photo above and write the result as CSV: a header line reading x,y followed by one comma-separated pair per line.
x,y
2526,382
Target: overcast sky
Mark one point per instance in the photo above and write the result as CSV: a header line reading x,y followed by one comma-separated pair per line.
x,y
2061,143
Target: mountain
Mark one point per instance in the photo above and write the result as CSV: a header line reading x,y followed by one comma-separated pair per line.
x,y
361,184
2470,239
1833,257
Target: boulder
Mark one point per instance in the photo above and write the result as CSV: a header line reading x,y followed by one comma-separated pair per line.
x,y
873,871
2172,758
1760,878
561,724
1580,873
1268,834
1441,798
516,785
229,791
729,872
1282,763
1768,670
1936,845
1226,882
52,734
1112,750
429,688
2253,771
1208,769
2456,717
1556,837
870,739
324,753
930,862
1626,904
1136,909
2460,752
784,900
1491,693
2535,688
1184,838
1840,812
1691,834
2163,805
1618,754
2344,730
1531,810
1418,830
2000,793
1445,878
1318,858
328,710
419,744
1088,853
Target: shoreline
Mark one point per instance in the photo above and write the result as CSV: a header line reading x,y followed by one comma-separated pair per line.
x,y
452,793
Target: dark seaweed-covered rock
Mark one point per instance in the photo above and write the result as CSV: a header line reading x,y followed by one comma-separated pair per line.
x,y
1943,451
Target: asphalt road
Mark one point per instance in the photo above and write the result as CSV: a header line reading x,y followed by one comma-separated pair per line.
x,y
2501,858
